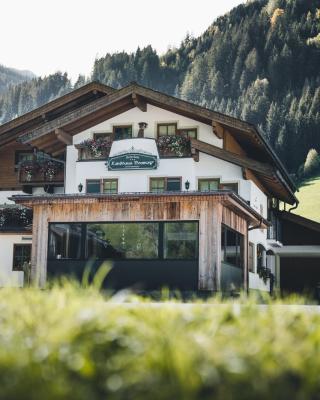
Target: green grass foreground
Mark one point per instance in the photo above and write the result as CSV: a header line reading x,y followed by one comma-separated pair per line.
x,y
73,343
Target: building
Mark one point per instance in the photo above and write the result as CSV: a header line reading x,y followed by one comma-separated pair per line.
x,y
173,194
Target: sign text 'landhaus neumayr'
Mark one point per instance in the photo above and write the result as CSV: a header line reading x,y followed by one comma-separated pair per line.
x,y
132,161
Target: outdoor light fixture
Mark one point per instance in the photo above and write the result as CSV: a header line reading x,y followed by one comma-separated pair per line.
x,y
187,185
80,187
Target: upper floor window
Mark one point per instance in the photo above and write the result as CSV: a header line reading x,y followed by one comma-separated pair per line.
x,y
22,156
122,132
102,135
110,186
167,129
206,185
93,186
159,185
190,133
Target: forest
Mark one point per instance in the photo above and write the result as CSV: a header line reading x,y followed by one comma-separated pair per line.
x,y
260,62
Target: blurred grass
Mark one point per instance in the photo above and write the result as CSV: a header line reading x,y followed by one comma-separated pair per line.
x,y
70,342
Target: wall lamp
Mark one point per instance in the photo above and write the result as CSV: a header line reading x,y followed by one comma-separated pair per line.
x,y
80,187
187,185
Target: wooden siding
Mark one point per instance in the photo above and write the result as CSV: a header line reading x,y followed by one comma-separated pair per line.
x,y
209,211
9,179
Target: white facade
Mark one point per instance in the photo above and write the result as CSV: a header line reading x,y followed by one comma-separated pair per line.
x,y
8,277
78,172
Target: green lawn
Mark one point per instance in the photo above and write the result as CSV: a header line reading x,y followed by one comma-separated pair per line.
x,y
69,343
309,197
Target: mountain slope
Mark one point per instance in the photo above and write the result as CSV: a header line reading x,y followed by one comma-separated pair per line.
x,y
11,76
309,197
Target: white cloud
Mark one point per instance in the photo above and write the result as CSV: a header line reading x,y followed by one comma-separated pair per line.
x,y
49,35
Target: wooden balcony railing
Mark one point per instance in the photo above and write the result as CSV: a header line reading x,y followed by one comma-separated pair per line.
x,y
177,146
46,172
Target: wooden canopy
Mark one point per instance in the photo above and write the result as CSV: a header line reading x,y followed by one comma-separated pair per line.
x,y
50,128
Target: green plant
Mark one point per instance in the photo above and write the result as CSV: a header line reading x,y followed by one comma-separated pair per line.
x,y
73,343
176,144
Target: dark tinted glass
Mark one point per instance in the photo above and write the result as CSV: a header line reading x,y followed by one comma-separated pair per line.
x,y
173,184
64,241
180,240
122,240
93,186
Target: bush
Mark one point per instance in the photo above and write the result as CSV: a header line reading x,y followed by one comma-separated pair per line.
x,y
71,343
312,163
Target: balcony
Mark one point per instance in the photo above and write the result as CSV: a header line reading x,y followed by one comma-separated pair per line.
x,y
175,146
13,218
44,172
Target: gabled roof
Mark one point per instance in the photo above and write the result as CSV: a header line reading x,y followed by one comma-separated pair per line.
x,y
43,136
55,108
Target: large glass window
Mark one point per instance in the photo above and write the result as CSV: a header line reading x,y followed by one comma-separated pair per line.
x,y
180,240
122,240
122,132
65,241
231,247
21,255
127,240
207,185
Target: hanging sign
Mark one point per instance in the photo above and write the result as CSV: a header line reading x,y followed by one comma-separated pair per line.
x,y
129,161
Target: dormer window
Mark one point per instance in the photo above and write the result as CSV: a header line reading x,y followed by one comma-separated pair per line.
x,y
167,129
122,132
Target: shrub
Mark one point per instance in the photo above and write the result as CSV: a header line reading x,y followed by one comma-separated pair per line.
x,y
312,163
71,343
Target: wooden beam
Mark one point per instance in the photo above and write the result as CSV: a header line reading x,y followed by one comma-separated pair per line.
x,y
58,152
233,158
63,136
139,102
54,148
218,129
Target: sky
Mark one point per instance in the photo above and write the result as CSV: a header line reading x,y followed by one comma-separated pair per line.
x,y
45,36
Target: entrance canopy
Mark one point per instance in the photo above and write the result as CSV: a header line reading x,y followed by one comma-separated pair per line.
x,y
298,251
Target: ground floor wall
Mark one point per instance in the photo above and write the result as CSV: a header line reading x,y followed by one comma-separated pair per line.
x,y
207,211
9,277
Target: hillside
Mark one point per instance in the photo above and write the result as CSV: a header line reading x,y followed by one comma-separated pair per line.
x,y
309,197
11,76
259,62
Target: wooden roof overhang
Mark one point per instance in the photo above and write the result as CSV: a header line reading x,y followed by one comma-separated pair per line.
x,y
11,130
44,137
226,197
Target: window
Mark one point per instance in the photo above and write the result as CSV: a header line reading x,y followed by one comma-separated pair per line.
x,y
251,257
110,186
206,185
65,241
261,257
159,185
230,186
93,186
167,129
180,240
21,255
122,132
102,135
231,247
21,156
124,240
191,133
